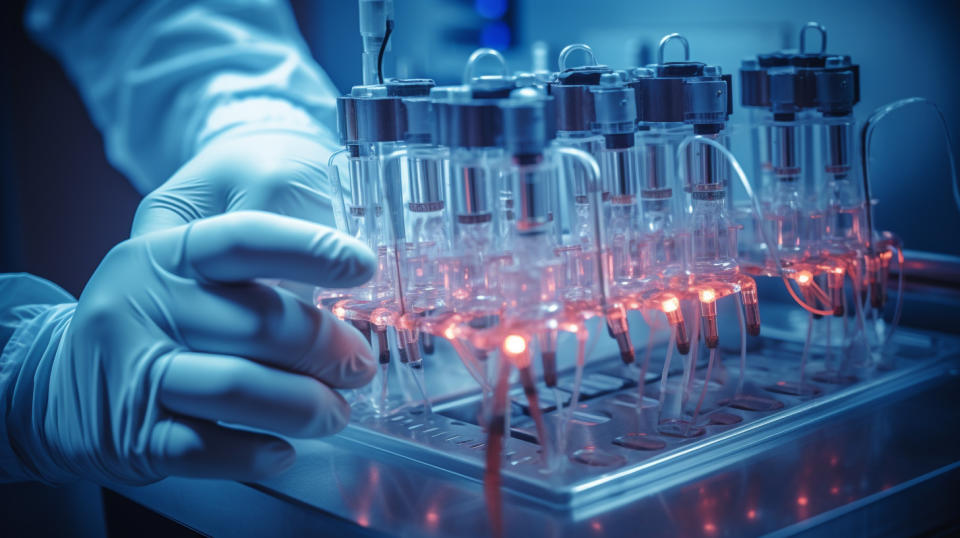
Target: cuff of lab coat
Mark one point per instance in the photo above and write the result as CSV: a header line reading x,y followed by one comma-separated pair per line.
x,y
25,365
257,114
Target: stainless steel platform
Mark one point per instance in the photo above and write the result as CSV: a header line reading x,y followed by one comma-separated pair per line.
x,y
601,470
877,456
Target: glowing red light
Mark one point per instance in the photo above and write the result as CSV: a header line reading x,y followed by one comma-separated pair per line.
x,y
670,305
707,296
802,500
709,528
751,514
515,344
834,490
432,518
450,333
596,526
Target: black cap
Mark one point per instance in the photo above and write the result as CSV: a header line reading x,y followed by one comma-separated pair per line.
x,y
409,87
774,59
369,119
574,102
528,122
687,92
375,113
836,92
680,69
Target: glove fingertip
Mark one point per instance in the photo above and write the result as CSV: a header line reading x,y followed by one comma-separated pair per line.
x,y
349,262
341,415
276,457
342,357
358,369
365,264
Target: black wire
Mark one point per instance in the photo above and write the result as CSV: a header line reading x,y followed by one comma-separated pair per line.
x,y
383,48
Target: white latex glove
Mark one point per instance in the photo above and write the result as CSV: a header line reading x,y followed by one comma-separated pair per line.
x,y
172,341
281,172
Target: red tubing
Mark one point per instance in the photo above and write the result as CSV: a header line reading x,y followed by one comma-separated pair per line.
x,y
800,302
495,441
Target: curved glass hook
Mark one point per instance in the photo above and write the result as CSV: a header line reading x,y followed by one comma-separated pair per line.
x,y
478,55
569,49
803,36
668,38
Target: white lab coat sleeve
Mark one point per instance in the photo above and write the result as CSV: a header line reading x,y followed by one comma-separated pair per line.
x,y
34,314
162,78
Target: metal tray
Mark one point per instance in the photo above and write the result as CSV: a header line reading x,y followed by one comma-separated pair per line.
x,y
598,468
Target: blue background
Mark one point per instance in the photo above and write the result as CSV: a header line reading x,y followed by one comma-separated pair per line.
x,y
62,206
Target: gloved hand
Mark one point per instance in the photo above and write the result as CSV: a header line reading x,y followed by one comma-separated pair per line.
x,y
282,172
172,340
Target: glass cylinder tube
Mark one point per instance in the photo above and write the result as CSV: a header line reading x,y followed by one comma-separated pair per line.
x,y
659,207
707,223
760,139
577,223
619,166
532,281
474,176
428,238
844,206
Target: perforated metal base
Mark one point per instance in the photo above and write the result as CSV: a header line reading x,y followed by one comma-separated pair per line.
x,y
618,450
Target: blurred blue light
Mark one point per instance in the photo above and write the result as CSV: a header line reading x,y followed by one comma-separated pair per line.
x,y
491,9
495,35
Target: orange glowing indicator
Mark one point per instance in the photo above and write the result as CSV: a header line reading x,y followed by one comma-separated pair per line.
x,y
670,305
802,500
804,277
515,344
339,311
432,518
709,528
751,514
449,333
707,296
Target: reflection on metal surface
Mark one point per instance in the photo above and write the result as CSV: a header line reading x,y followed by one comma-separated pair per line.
x,y
603,470
843,464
